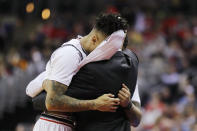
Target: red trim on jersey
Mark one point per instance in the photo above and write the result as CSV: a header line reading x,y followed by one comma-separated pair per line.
x,y
57,122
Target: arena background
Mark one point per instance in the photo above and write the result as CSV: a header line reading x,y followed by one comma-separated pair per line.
x,y
163,33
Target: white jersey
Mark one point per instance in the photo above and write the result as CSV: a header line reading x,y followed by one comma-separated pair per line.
x,y
61,67
64,62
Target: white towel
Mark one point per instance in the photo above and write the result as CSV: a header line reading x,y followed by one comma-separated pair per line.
x,y
106,49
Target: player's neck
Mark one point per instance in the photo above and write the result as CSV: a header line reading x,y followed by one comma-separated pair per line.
x,y
83,42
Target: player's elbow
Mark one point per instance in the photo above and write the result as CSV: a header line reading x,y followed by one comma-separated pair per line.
x,y
49,107
50,103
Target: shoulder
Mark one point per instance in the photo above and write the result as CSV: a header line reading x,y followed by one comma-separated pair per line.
x,y
67,49
74,43
131,54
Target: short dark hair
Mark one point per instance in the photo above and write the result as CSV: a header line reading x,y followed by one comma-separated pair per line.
x,y
108,23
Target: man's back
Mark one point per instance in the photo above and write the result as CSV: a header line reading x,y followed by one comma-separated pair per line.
x,y
97,78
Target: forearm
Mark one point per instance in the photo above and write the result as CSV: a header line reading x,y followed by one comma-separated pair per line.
x,y
65,103
57,101
134,114
68,105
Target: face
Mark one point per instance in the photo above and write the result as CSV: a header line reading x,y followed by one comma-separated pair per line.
x,y
95,40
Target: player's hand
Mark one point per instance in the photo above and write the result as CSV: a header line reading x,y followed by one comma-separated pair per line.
x,y
107,103
124,95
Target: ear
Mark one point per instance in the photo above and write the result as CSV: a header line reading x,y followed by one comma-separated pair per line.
x,y
94,39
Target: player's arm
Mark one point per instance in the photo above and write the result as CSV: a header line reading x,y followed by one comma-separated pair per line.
x,y
35,86
131,107
57,101
134,114
39,102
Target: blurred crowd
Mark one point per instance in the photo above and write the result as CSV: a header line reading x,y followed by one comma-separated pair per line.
x,y
165,42
167,49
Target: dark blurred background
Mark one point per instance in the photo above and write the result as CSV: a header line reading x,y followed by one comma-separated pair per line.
x,y
163,33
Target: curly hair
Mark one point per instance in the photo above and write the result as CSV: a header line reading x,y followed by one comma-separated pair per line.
x,y
108,23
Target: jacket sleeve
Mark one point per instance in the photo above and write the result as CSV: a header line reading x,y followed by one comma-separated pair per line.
x,y
39,101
